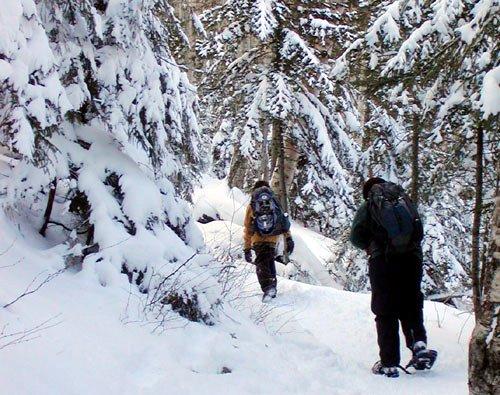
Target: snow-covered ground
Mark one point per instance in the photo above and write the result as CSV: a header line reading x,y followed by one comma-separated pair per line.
x,y
94,339
217,200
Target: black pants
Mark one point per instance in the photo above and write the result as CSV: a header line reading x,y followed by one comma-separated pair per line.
x,y
265,265
396,296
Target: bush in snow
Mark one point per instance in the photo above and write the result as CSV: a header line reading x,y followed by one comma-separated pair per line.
x,y
95,101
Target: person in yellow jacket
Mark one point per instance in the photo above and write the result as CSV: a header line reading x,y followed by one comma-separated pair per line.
x,y
264,247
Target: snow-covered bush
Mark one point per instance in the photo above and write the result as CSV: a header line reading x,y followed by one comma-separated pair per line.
x,y
98,109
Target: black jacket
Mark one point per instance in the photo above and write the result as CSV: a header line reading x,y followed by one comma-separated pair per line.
x,y
366,235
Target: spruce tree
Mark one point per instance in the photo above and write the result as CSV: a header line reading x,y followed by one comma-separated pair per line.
x,y
268,82
100,86
435,59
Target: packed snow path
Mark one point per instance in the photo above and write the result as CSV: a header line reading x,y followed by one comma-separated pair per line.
x,y
309,340
328,340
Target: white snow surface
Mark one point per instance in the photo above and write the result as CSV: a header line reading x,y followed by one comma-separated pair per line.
x,y
216,199
309,340
490,93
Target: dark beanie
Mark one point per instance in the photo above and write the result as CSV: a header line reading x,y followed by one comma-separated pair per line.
x,y
369,183
260,184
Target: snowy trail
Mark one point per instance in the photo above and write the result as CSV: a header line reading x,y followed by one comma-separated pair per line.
x,y
330,334
217,200
311,340
317,340
341,323
324,345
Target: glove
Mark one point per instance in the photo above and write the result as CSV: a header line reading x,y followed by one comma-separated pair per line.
x,y
290,245
248,255
281,259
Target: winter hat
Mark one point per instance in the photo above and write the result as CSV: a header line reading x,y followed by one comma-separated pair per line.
x,y
369,183
260,184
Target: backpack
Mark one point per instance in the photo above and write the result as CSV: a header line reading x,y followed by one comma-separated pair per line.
x,y
394,212
269,218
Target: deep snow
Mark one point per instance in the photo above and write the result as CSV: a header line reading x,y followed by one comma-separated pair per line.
x,y
310,340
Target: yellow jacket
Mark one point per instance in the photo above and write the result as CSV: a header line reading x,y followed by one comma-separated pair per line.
x,y
250,237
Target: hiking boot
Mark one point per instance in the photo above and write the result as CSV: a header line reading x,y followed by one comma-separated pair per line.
x,y
422,357
269,294
389,371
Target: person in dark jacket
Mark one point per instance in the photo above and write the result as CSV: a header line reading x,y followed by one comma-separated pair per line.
x,y
395,281
264,247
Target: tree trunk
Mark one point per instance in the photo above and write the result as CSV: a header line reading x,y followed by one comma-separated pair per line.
x,y
48,209
274,149
279,176
282,172
476,225
484,347
237,170
364,115
287,163
265,151
362,77
278,182
415,165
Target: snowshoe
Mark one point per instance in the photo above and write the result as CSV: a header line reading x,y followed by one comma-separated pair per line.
x,y
389,371
281,259
269,294
422,357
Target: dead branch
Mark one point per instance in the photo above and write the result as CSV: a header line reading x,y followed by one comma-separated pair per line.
x,y
159,288
9,247
30,290
26,335
48,209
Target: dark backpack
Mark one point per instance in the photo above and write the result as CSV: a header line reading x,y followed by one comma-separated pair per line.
x,y
269,218
396,216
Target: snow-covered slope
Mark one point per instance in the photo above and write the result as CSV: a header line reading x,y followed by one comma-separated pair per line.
x,y
96,339
216,200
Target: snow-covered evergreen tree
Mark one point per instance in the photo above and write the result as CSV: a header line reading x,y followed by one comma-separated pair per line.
x,y
33,101
95,82
268,81
438,60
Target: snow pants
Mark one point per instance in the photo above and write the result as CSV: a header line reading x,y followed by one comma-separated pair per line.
x,y
265,265
396,297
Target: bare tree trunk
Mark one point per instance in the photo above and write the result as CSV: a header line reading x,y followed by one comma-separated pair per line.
x,y
292,154
415,165
362,78
237,170
274,150
278,181
265,151
282,172
484,347
279,176
48,209
476,225
364,114
287,163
